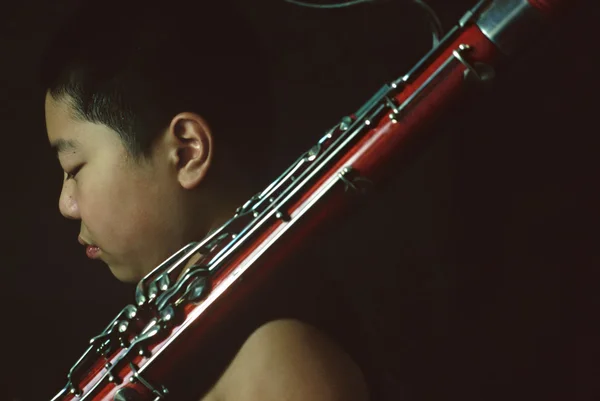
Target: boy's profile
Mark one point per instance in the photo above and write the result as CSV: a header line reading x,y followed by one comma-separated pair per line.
x,y
160,119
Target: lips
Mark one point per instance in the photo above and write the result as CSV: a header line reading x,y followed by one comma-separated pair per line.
x,y
92,251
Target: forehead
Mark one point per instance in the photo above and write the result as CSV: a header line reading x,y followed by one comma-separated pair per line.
x,y
69,134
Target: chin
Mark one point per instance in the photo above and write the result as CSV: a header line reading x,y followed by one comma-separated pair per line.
x,y
125,274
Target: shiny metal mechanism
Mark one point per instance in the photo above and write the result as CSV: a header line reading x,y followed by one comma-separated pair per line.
x,y
127,394
345,123
391,103
507,22
478,71
114,379
343,175
144,292
354,181
282,216
159,394
471,15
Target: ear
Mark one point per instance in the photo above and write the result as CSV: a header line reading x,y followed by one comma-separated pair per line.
x,y
192,148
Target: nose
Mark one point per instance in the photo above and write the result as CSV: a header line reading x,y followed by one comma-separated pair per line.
x,y
67,203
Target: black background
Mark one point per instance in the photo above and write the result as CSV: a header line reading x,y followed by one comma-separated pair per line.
x,y
477,264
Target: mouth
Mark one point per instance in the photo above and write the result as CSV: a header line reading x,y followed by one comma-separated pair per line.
x,y
92,251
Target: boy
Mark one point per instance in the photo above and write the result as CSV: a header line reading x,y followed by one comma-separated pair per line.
x,y
140,100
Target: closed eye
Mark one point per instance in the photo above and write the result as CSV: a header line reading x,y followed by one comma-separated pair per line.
x,y
71,174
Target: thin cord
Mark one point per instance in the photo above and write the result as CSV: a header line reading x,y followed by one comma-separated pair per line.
x,y
333,5
437,30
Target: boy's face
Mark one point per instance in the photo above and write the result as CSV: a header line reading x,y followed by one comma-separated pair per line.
x,y
131,213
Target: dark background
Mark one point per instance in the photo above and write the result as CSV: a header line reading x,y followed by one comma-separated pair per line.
x,y
477,264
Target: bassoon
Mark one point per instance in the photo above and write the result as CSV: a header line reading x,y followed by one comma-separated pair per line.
x,y
177,305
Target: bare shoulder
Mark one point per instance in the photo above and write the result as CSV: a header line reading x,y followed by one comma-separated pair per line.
x,y
288,360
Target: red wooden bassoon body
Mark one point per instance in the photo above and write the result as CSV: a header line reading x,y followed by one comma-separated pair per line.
x,y
138,354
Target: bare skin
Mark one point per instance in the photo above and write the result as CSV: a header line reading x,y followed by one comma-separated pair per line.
x,y
287,360
139,212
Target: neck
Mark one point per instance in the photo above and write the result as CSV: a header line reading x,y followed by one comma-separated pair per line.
x,y
220,218
227,206
221,214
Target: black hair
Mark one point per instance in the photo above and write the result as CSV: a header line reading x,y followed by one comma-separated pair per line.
x,y
133,66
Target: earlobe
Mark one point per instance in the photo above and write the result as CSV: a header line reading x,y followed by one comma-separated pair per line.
x,y
193,143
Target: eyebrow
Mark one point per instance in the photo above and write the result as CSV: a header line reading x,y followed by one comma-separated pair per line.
x,y
64,145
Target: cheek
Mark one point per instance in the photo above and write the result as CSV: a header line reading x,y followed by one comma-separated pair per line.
x,y
127,213
112,205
